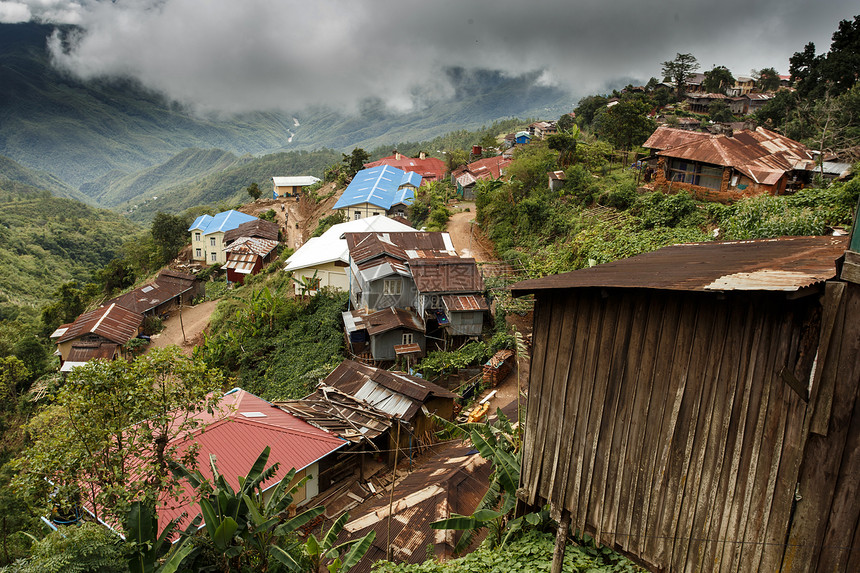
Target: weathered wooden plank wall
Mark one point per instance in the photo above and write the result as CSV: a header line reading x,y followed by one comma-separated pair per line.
x,y
665,424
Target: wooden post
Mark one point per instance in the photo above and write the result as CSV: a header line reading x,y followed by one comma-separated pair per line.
x,y
388,553
184,341
560,542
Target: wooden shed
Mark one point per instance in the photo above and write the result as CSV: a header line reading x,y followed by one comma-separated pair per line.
x,y
707,401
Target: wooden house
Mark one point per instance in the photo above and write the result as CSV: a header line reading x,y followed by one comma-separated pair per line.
x,y
101,333
168,290
696,407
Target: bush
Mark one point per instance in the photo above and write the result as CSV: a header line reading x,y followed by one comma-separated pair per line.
x,y
268,215
152,325
87,548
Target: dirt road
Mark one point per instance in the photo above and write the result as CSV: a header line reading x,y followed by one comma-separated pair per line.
x,y
195,319
467,236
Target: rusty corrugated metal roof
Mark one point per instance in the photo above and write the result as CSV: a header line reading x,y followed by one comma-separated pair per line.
x,y
666,137
452,481
459,303
783,264
446,275
339,413
167,285
112,322
350,376
391,318
252,245
402,245
86,351
762,155
258,228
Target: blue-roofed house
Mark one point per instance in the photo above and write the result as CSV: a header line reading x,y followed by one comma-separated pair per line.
x,y
207,235
381,190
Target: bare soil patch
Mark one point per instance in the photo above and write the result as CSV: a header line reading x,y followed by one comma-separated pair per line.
x,y
467,236
193,322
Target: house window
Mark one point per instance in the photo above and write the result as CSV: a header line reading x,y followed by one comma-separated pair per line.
x,y
392,286
198,254
357,215
214,257
408,338
211,241
375,213
196,236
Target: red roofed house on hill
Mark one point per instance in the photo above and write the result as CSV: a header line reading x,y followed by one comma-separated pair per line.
x,y
430,168
242,427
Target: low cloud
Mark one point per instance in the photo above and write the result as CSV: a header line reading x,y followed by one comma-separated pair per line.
x,y
223,55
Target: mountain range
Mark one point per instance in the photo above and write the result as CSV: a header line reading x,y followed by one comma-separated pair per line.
x,y
112,142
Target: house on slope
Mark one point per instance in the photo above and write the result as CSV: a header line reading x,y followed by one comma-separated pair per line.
x,y
248,256
291,186
488,168
405,287
361,404
241,427
207,235
168,290
255,229
381,190
325,259
429,168
695,407
729,167
101,333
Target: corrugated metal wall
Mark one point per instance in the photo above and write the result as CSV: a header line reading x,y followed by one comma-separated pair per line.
x,y
673,425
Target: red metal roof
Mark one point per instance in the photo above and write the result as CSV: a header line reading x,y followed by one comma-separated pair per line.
x,y
489,167
429,168
112,322
784,264
238,433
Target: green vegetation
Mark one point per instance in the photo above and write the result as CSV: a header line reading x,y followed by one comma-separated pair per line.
x,y
278,346
46,241
532,552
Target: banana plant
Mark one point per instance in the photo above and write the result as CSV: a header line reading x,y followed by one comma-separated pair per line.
x,y
244,526
150,552
319,549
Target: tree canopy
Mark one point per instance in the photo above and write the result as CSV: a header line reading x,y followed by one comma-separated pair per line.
x,y
718,80
679,71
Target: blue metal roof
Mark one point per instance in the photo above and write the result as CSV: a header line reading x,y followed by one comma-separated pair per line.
x,y
411,178
224,221
378,186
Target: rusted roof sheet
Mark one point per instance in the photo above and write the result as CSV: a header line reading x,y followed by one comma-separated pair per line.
x,y
167,285
351,376
762,155
460,303
402,349
112,322
258,229
391,318
446,275
86,351
339,413
666,137
252,245
403,245
489,167
451,481
784,264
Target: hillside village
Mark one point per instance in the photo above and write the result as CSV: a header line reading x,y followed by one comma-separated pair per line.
x,y
632,342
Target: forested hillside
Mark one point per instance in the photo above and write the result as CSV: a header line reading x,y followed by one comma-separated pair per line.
x,y
15,172
46,241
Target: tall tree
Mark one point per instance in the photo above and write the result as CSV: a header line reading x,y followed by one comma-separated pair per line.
x,y
835,72
108,435
354,162
766,79
626,124
679,70
254,191
170,234
718,80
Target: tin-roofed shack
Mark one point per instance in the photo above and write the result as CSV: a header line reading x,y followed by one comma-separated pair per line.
x,y
706,400
169,289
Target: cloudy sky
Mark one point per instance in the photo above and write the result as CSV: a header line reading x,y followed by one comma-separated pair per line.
x,y
241,55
